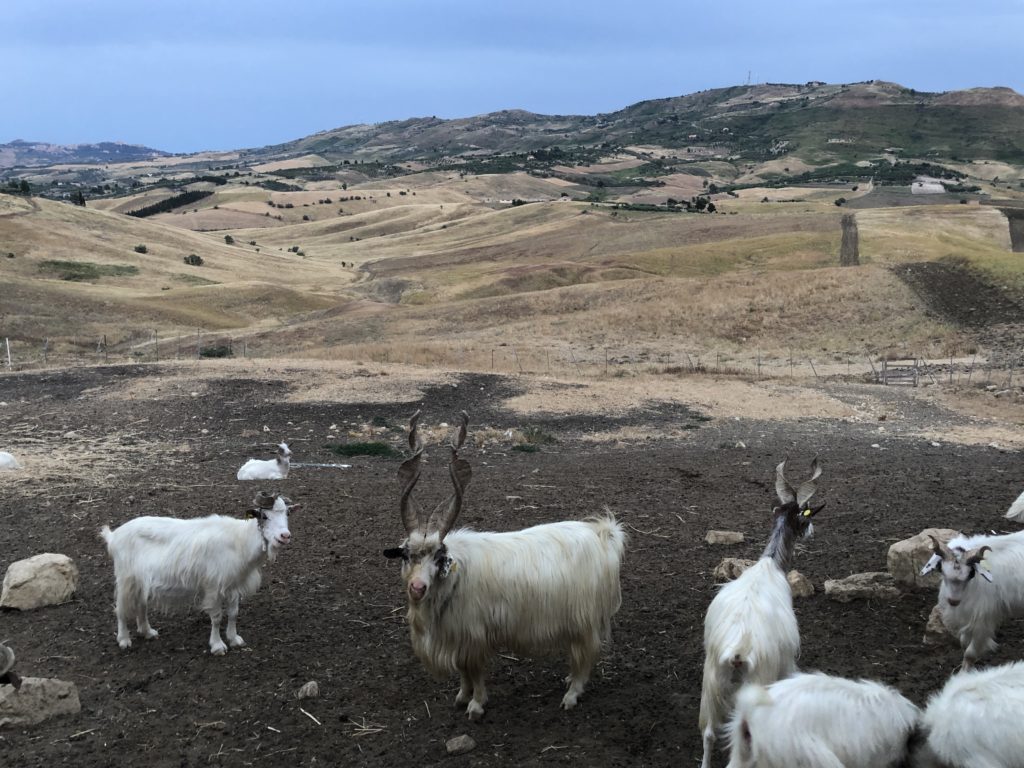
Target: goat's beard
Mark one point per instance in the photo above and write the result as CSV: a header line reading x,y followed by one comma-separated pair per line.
x,y
271,549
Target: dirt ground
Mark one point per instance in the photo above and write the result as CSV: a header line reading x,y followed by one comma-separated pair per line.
x,y
104,445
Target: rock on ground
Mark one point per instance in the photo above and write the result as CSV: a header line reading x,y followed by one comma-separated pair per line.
x,y
732,567
460,745
47,579
862,586
310,690
724,537
936,633
38,699
906,558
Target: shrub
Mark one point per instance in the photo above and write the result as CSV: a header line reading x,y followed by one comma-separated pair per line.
x,y
140,248
222,350
229,239
363,449
194,261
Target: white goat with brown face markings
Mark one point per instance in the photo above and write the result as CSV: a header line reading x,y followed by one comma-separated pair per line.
x,y
546,589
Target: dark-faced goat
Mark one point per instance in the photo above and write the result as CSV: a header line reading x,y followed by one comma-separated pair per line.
x,y
750,630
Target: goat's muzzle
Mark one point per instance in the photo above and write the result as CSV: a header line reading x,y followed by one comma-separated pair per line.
x,y
417,589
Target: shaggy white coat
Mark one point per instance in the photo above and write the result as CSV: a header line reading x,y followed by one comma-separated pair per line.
x,y
7,461
171,564
984,605
267,469
816,720
750,635
1016,510
975,721
545,589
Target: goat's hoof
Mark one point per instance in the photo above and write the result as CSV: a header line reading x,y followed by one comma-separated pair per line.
x,y
474,711
462,698
151,634
125,643
236,641
569,700
219,649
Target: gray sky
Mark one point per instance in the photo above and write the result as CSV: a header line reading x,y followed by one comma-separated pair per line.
x,y
189,75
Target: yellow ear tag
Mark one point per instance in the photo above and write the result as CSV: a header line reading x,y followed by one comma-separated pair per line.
x,y
454,568
807,513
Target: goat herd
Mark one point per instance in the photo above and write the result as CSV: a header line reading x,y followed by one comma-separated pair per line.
x,y
555,588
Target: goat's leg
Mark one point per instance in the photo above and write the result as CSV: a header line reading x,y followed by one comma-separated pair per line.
x,y
465,688
217,647
123,609
142,620
582,656
715,701
475,708
234,639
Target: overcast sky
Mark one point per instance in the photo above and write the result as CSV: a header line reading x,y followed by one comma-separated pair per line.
x,y
190,75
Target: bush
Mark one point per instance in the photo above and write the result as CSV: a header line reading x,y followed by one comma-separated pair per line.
x,y
363,449
841,201
140,248
222,350
229,239
194,261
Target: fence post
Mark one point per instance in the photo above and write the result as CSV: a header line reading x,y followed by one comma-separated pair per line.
x,y
7,341
198,346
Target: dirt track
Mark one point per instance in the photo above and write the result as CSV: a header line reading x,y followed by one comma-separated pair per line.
x,y
332,607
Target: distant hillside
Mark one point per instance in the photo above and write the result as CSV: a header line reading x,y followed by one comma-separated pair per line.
x,y
821,122
35,153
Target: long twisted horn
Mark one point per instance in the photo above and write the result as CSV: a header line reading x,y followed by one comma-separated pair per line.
x,y
443,518
808,487
409,475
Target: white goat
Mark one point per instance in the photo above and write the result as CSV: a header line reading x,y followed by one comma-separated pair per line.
x,y
750,630
974,721
821,721
267,469
1016,510
974,608
7,461
548,588
171,563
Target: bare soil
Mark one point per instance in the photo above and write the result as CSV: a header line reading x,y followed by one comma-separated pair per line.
x,y
332,608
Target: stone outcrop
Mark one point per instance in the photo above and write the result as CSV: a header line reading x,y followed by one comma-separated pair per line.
x,y
906,558
862,586
47,579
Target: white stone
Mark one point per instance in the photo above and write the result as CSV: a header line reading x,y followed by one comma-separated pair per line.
x,y
38,699
724,537
310,690
47,579
906,558
799,584
460,745
7,461
862,586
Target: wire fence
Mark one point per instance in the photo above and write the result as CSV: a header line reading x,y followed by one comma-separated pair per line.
x,y
557,359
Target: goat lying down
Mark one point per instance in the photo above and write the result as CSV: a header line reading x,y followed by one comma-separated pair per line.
x,y
546,589
211,561
973,608
268,469
974,721
821,721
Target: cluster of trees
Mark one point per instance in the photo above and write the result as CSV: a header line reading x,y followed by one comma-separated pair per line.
x,y
170,203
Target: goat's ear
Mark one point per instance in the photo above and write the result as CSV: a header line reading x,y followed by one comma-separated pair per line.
x,y
812,511
931,565
394,552
293,507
